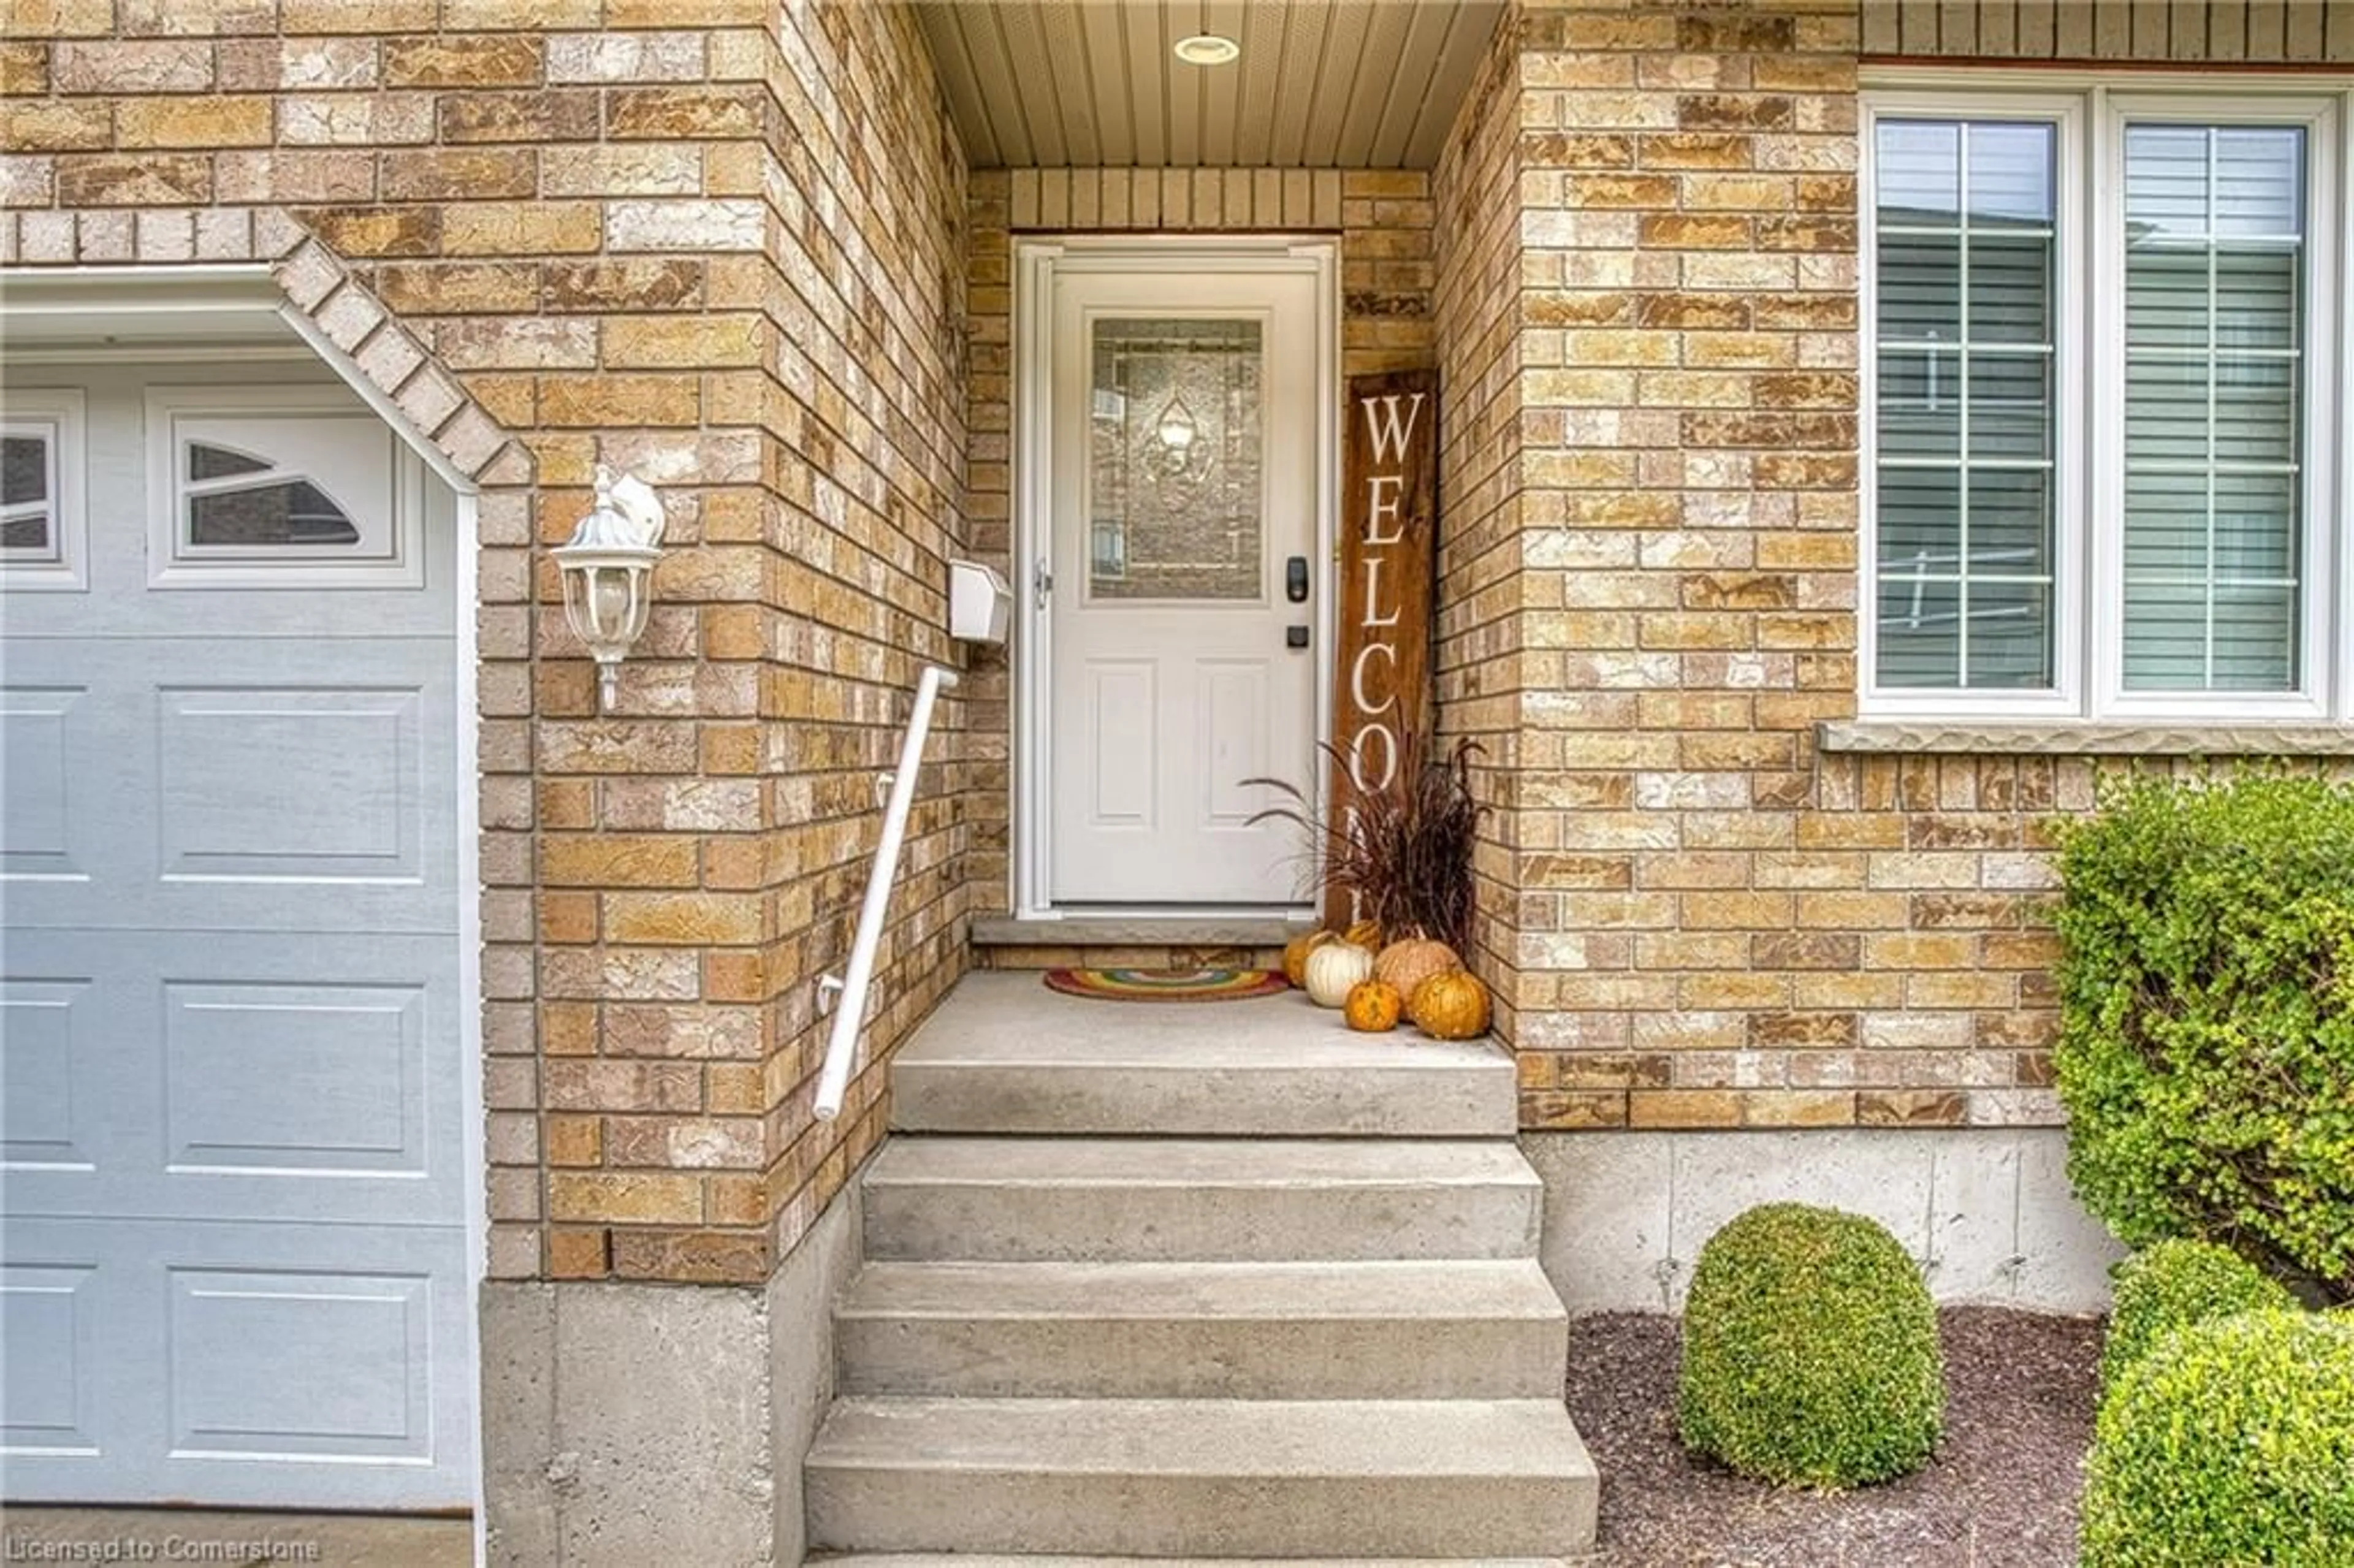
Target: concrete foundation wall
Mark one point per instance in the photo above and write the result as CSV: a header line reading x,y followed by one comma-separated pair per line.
x,y
800,1355
626,1423
1986,1210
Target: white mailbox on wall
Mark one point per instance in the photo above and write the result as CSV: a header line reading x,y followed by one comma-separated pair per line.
x,y
980,604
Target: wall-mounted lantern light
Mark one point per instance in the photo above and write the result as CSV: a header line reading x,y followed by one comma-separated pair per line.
x,y
607,566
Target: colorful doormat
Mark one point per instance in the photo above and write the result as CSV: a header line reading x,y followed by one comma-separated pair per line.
x,y
1167,985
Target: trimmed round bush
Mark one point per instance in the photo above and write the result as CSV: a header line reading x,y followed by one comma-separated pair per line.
x,y
2228,1442
2206,1050
2172,1286
1810,1351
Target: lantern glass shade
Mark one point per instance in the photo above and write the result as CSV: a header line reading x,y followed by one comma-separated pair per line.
x,y
606,599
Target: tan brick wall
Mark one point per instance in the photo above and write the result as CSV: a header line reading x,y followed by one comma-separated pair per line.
x,y
1688,376
714,242
1383,220
1709,923
1485,551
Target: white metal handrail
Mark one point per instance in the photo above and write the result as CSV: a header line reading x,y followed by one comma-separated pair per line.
x,y
849,991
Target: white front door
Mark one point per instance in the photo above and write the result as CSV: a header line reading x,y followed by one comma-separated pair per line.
x,y
233,1244
1183,506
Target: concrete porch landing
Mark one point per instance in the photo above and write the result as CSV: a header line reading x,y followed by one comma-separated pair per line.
x,y
1004,1054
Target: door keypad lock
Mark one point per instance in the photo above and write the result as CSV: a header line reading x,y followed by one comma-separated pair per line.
x,y
1295,581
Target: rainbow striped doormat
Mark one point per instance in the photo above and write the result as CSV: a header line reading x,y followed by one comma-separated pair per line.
x,y
1167,985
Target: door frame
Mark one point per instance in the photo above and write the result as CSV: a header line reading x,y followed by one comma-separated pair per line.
x,y
1037,263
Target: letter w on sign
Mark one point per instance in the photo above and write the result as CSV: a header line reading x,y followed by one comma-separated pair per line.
x,y
1389,512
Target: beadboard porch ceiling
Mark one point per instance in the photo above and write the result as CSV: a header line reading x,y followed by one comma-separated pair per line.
x,y
1351,84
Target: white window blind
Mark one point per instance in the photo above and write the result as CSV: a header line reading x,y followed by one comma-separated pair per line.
x,y
1964,416
2214,233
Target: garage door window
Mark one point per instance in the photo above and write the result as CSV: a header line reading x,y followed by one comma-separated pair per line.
x,y
40,463
265,490
237,501
29,487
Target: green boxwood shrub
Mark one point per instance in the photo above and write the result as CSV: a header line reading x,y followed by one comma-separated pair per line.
x,y
2228,1442
2206,1054
2173,1284
1810,1351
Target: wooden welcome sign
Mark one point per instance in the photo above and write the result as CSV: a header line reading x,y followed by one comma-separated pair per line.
x,y
1389,517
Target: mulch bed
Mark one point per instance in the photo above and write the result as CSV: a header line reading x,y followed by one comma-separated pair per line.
x,y
2002,1492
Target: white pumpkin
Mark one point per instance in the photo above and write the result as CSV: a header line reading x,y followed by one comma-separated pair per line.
x,y
1333,968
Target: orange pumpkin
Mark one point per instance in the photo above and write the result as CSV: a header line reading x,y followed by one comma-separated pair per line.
x,y
1373,1007
1450,1006
1296,952
1365,933
1405,964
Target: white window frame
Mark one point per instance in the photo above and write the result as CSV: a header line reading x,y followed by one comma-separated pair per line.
x,y
2090,113
2324,358
57,416
173,563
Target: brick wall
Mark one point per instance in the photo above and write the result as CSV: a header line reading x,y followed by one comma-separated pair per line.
x,y
657,234
1384,221
1484,549
866,468
1710,923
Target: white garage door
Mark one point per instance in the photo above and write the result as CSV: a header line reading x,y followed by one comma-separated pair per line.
x,y
230,1010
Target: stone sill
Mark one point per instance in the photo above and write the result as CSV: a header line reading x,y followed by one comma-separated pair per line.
x,y
1932,737
1137,931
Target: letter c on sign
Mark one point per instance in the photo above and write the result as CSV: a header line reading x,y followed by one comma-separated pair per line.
x,y
1366,705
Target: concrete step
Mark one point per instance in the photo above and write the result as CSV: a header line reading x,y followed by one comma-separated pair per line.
x,y
958,1560
1451,1329
1002,1055
1085,1200
1203,1478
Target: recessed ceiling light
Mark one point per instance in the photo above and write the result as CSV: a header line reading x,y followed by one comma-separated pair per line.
x,y
1207,49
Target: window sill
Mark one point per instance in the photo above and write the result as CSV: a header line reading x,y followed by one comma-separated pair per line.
x,y
1963,737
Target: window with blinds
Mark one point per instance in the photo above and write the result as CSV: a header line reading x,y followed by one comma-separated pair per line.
x,y
2108,328
1964,405
2214,239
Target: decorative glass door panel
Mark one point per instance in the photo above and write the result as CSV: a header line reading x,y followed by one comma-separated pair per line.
x,y
1176,488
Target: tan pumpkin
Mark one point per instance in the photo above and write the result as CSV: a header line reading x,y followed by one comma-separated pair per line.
x,y
1406,964
1450,1006
1373,1007
1366,933
1333,968
1296,952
